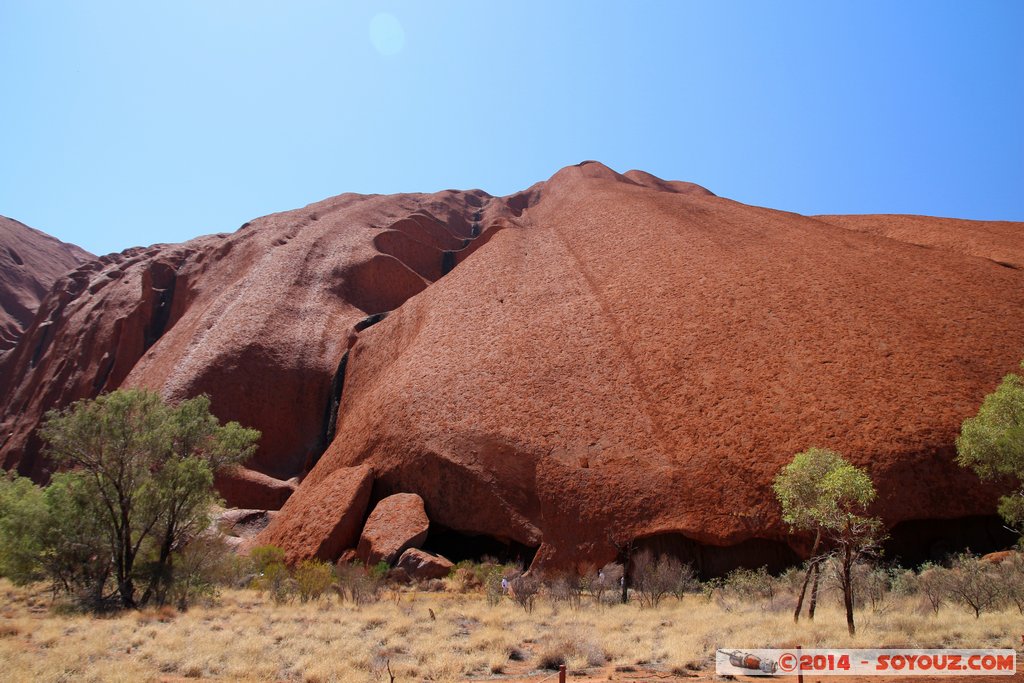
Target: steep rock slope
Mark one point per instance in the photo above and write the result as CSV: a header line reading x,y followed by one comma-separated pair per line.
x,y
998,241
260,319
639,359
30,262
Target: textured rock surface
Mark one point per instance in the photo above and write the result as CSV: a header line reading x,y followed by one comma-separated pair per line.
x,y
241,486
422,565
640,359
998,241
259,319
322,520
597,358
30,262
242,523
396,524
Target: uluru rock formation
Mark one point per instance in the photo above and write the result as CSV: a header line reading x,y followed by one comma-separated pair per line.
x,y
601,358
30,262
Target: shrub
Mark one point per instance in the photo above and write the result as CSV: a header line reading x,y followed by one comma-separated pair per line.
x,y
523,590
312,579
278,582
608,578
263,556
872,583
23,522
931,584
750,585
974,584
200,568
566,588
1011,577
358,584
655,577
555,651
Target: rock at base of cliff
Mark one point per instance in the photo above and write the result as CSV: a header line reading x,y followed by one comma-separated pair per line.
x,y
422,565
397,523
322,518
249,489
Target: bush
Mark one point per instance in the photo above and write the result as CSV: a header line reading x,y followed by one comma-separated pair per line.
x,y
263,556
523,590
566,588
872,583
974,584
751,585
608,578
655,577
24,518
201,567
1011,577
278,582
573,647
357,584
312,579
931,584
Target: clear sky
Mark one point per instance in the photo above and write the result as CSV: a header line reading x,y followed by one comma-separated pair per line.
x,y
125,123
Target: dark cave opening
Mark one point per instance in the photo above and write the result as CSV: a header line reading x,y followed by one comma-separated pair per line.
x,y
917,541
447,262
370,321
458,546
712,561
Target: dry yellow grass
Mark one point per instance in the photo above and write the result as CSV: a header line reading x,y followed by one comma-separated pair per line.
x,y
248,638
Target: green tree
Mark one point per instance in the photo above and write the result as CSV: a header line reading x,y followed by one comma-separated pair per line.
x,y
143,472
803,506
23,524
823,493
992,443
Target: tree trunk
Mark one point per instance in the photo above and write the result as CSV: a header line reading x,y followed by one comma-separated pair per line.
x,y
848,588
803,589
814,592
160,581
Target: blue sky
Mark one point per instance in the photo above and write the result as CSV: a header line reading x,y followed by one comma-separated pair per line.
x,y
126,123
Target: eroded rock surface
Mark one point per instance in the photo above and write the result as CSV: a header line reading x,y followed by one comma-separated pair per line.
x,y
396,524
30,262
320,521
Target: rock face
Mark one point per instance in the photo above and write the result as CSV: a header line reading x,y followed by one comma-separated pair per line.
x,y
30,262
396,524
602,357
320,521
260,319
242,523
242,487
640,359
422,566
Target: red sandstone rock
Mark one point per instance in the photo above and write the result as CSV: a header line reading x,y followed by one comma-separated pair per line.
x,y
998,557
422,565
30,262
347,556
397,523
612,357
259,319
320,521
637,361
242,523
241,486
